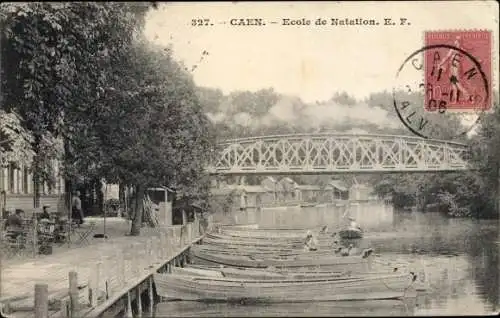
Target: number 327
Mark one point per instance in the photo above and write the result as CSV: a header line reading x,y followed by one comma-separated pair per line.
x,y
200,22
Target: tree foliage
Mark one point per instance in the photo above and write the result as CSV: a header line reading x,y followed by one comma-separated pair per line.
x,y
470,193
54,58
15,140
127,112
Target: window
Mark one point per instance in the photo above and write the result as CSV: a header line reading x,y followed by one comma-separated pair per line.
x,y
26,181
3,179
11,184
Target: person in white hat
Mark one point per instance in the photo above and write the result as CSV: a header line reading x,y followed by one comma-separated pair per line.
x,y
310,244
353,224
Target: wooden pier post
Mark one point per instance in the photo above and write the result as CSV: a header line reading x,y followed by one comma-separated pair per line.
x,y
94,285
184,259
108,266
168,242
171,241
152,252
189,232
41,300
136,259
147,252
73,293
181,236
65,309
163,246
120,266
138,301
151,295
157,250
129,313
127,264
169,267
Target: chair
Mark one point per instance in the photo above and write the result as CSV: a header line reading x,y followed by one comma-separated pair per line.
x,y
62,231
84,232
46,236
15,242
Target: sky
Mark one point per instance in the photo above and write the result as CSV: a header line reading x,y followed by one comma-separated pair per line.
x,y
312,62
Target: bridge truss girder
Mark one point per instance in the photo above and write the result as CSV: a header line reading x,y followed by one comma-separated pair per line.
x,y
328,154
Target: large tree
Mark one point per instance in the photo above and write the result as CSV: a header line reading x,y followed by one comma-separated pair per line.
x,y
148,129
54,60
127,112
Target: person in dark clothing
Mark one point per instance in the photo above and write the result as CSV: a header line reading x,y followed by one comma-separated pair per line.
x,y
45,214
77,213
14,220
14,223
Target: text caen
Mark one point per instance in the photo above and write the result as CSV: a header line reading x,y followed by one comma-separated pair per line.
x,y
247,22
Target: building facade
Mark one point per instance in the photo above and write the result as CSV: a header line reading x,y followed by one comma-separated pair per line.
x,y
17,189
336,190
287,187
273,187
362,192
308,193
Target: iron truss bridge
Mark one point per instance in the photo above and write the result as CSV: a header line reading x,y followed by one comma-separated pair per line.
x,y
336,153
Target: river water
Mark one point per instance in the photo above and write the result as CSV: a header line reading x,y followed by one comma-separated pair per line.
x,y
457,259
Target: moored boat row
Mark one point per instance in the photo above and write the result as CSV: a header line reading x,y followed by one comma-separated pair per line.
x,y
266,266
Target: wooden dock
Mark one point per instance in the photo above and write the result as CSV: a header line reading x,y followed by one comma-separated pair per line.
x,y
96,280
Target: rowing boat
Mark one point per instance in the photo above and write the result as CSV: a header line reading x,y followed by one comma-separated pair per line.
x,y
268,274
195,288
263,240
351,233
265,245
276,252
307,261
264,234
253,274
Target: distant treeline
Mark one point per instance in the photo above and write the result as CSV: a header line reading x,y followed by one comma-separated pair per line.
x,y
266,112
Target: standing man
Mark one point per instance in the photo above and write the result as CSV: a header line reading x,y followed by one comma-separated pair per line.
x,y
77,207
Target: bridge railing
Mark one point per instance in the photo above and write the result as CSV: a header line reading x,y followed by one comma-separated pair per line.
x,y
326,153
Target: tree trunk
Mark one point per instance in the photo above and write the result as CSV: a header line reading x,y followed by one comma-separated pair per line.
x,y
36,172
36,191
135,229
99,196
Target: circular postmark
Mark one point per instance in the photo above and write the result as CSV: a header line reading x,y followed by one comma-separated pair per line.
x,y
441,92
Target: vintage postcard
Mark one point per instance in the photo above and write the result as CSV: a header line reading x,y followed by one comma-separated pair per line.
x,y
229,159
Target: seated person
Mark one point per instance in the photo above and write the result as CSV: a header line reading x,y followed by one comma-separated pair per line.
x,y
14,223
311,243
353,224
45,213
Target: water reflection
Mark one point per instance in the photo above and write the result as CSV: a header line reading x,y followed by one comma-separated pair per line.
x,y
459,258
372,308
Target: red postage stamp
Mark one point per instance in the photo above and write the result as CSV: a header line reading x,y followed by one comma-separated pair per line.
x,y
458,70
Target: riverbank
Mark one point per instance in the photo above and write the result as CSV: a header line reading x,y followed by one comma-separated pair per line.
x,y
114,227
101,270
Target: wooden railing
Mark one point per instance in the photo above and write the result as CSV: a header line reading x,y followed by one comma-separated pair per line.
x,y
92,287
